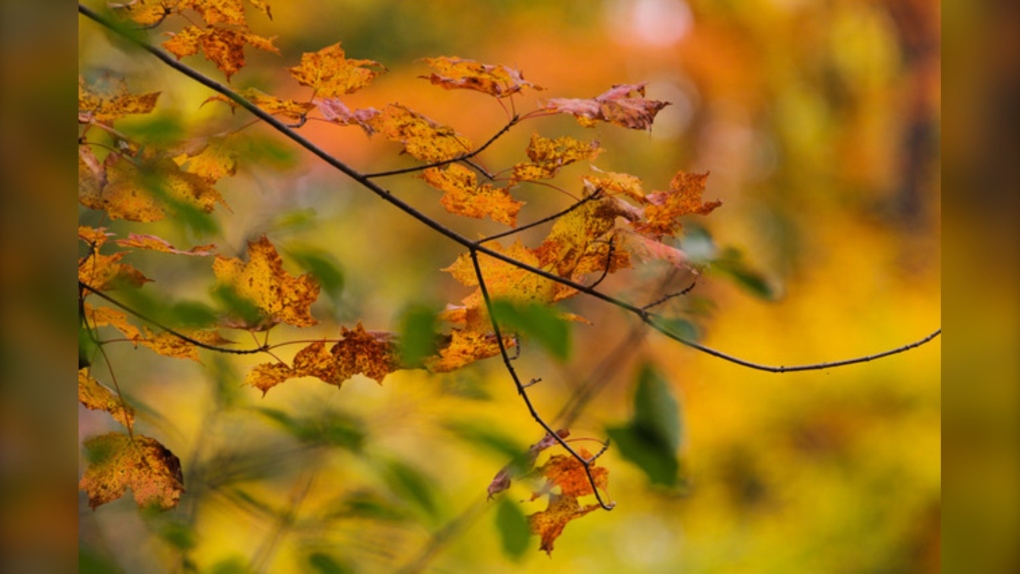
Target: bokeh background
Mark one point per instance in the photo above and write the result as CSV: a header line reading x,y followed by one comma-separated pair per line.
x,y
820,123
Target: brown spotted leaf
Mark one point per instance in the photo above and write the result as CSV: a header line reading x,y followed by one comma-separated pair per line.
x,y
548,155
567,473
624,105
464,196
222,46
108,99
94,237
331,74
549,523
95,396
117,462
422,138
262,280
457,73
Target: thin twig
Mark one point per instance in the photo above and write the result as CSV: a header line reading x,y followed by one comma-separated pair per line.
x,y
536,223
522,389
669,296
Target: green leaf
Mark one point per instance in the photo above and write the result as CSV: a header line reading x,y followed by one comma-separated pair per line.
x,y
327,428
483,436
236,305
192,314
653,435
681,327
411,485
540,323
513,527
417,335
326,564
322,265
731,263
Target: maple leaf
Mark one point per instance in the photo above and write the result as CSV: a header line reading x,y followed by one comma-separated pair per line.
x,y
567,473
423,139
154,243
331,74
93,236
263,281
333,110
109,100
549,155
624,105
457,73
103,272
222,46
211,158
503,280
267,375
611,183
146,13
117,462
549,523
95,396
272,105
463,348
682,198
578,242
103,316
170,345
463,195
223,11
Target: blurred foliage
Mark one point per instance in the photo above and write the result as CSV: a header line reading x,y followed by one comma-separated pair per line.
x,y
820,124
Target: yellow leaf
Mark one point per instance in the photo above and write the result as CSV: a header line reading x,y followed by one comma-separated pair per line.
x,y
214,159
463,348
146,13
291,109
422,138
97,397
549,155
262,280
224,47
503,280
109,100
267,376
103,272
102,316
117,462
331,74
495,80
92,236
463,195
154,243
170,345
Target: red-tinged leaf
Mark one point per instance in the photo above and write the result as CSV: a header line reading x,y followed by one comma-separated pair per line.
x,y
331,74
647,249
464,196
103,316
624,105
568,473
223,47
154,243
117,462
549,155
505,476
423,139
665,207
333,110
457,73
103,272
170,345
108,99
95,396
146,13
291,109
579,242
549,523
263,281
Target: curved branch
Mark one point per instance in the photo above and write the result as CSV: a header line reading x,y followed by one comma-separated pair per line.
x,y
441,229
513,121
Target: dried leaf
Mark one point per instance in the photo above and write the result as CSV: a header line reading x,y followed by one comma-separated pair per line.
x,y
422,138
224,47
624,105
567,473
463,195
664,207
154,243
117,462
267,376
97,397
331,74
333,110
263,281
92,236
495,80
549,155
108,100
611,183
549,523
212,158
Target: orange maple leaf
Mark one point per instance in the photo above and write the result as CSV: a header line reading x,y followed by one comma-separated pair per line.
x,y
457,73
682,198
567,473
463,348
146,13
503,280
222,46
549,523
423,139
624,105
117,462
103,316
331,74
464,196
262,280
95,396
